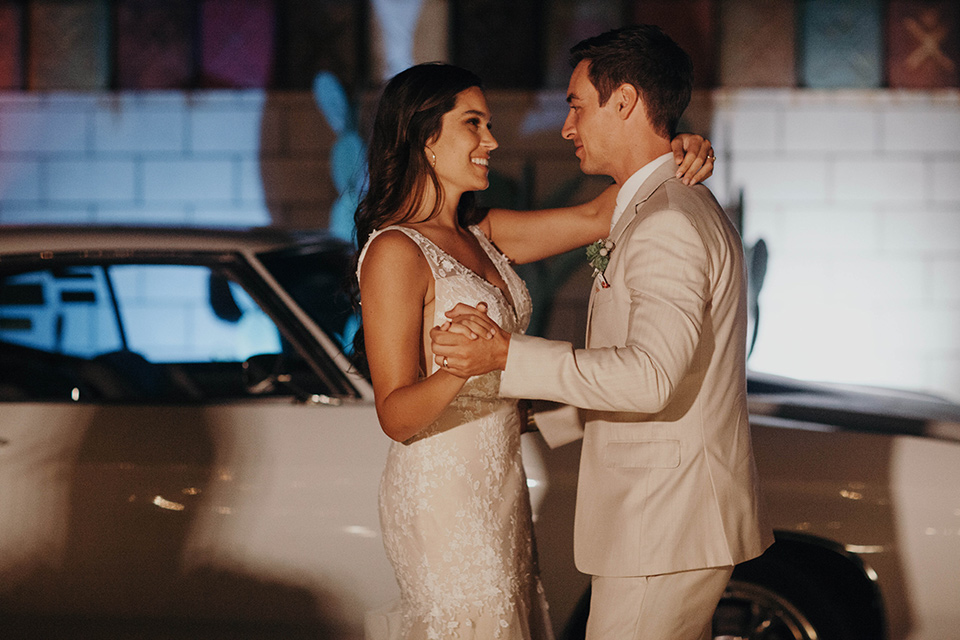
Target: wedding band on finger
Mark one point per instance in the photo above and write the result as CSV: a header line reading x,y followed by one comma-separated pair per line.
x,y
445,365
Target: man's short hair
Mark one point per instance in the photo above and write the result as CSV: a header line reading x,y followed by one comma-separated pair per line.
x,y
645,57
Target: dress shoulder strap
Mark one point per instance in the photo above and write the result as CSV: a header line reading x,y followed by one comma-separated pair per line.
x,y
430,251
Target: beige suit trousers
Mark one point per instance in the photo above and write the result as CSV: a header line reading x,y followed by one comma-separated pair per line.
x,y
672,606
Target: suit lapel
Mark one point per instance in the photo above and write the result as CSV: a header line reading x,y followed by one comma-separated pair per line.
x,y
662,174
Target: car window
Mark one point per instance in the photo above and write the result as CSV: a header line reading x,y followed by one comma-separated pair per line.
x,y
315,277
137,332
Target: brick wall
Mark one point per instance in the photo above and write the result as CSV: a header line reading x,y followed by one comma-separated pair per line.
x,y
856,193
236,158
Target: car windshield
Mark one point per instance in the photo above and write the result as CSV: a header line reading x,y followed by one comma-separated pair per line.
x,y
146,332
316,279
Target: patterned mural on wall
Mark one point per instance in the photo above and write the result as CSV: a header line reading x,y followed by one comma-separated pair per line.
x,y
283,44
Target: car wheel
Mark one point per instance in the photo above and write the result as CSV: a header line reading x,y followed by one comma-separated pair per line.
x,y
750,610
755,612
775,597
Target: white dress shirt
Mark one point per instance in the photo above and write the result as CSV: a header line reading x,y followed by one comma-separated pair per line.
x,y
632,185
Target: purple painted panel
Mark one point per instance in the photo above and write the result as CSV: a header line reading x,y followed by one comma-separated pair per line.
x,y
11,43
155,44
68,44
923,43
237,43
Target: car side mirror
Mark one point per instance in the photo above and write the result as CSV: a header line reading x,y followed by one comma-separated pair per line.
x,y
262,372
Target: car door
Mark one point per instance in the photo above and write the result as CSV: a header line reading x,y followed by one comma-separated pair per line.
x,y
169,451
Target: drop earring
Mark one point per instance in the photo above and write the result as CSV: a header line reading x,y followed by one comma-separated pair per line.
x,y
433,159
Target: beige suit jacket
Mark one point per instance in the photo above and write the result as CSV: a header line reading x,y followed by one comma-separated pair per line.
x,y
667,475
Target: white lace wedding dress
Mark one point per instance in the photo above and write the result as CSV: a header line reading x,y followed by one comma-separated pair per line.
x,y
454,507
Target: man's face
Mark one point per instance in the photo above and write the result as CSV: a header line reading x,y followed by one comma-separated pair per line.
x,y
593,129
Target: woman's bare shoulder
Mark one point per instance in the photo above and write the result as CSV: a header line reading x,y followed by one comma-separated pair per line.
x,y
392,254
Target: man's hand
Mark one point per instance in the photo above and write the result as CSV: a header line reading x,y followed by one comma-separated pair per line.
x,y
470,343
694,157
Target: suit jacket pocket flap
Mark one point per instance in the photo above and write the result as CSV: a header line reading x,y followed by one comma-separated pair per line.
x,y
657,454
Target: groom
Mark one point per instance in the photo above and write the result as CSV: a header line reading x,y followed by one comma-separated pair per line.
x,y
668,499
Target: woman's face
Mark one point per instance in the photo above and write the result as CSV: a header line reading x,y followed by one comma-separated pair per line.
x,y
463,147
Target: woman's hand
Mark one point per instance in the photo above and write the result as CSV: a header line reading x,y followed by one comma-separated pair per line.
x,y
694,156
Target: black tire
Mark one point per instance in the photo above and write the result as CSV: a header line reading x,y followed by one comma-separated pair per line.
x,y
768,599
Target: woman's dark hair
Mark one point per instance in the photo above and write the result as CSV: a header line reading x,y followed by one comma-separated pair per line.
x,y
409,117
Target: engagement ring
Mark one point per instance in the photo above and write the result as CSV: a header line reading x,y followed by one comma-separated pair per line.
x,y
445,364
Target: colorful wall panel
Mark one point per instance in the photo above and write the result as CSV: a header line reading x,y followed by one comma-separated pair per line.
x,y
11,45
923,44
499,40
757,43
841,44
322,35
155,44
567,23
69,44
692,24
237,38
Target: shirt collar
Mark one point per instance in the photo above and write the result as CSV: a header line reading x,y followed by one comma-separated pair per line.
x,y
632,185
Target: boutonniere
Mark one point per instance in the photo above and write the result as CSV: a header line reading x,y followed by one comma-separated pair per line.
x,y
598,254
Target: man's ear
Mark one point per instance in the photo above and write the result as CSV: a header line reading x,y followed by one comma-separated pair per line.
x,y
628,99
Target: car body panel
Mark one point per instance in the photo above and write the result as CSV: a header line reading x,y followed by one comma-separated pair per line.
x,y
260,504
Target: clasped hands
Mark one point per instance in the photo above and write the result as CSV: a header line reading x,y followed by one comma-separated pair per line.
x,y
469,343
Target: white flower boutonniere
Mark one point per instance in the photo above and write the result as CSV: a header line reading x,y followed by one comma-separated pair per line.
x,y
598,255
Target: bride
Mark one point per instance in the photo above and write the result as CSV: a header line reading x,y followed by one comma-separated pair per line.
x,y
454,508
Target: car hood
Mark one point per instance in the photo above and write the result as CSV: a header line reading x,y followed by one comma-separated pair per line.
x,y
824,406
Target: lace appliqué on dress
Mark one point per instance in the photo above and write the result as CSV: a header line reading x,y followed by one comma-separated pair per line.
x,y
454,507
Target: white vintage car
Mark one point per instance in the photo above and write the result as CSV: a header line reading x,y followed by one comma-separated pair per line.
x,y
185,451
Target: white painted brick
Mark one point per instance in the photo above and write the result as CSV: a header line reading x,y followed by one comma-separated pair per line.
x,y
811,230
792,282
921,230
43,131
143,215
830,129
251,182
943,376
139,130
808,339
780,179
91,180
53,213
19,181
718,183
945,278
887,282
879,181
946,181
753,130
922,330
240,216
225,130
187,180
922,128
761,221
